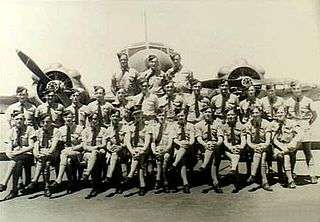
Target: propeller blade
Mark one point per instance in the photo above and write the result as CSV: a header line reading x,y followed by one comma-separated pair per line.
x,y
33,67
65,100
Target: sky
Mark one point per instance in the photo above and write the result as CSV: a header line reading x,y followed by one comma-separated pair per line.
x,y
281,36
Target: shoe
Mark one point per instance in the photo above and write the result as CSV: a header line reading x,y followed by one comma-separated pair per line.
x,y
217,188
266,187
125,182
186,188
21,186
93,193
85,177
30,188
294,176
166,189
172,169
107,181
314,180
292,185
3,187
52,187
11,195
119,190
47,192
157,185
142,191
250,180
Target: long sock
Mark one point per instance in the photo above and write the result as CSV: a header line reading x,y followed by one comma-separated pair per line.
x,y
158,175
62,167
179,156
214,176
91,162
184,175
9,172
134,165
207,157
255,163
264,168
113,163
37,173
141,178
234,161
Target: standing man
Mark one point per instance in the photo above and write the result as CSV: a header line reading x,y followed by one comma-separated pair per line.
x,y
100,106
270,103
224,100
208,134
126,78
52,108
23,105
154,75
247,105
78,109
193,103
301,109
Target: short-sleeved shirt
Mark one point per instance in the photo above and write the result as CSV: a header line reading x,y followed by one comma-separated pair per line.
x,y
268,106
81,110
46,137
125,79
55,111
247,106
22,136
232,101
201,129
105,110
149,105
190,100
265,127
167,134
75,131
111,134
285,131
304,110
239,131
167,104
156,81
181,78
143,131
189,131
28,110
87,134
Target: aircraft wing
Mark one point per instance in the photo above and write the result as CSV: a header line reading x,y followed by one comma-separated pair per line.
x,y
5,101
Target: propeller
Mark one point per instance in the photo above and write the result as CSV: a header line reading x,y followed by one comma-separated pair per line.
x,y
43,78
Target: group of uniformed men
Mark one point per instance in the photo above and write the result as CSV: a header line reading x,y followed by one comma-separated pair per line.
x,y
159,126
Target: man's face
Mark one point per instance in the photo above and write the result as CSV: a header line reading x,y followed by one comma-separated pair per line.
x,y
231,117
256,114
281,114
51,97
123,61
161,117
94,121
177,104
75,97
46,122
115,117
19,120
121,94
153,63
68,119
169,88
181,118
99,94
22,96
176,60
196,88
224,89
207,114
271,92
296,90
145,86
251,91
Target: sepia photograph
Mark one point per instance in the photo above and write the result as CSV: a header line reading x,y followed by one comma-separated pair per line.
x,y
160,111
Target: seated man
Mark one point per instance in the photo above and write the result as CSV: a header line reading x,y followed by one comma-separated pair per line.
x,y
45,151
162,139
115,147
94,146
183,141
285,139
137,141
234,135
70,136
20,143
258,139
209,136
